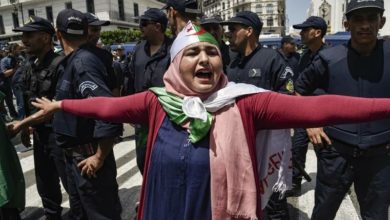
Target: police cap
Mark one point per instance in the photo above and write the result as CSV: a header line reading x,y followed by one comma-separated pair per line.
x,y
93,20
186,6
72,22
36,23
313,22
359,4
288,39
247,18
156,15
215,19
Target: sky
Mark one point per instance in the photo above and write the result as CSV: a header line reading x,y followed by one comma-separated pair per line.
x,y
296,11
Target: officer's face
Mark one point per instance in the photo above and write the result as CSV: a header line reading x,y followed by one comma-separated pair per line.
x,y
94,34
364,25
35,42
201,67
238,36
309,35
289,47
148,29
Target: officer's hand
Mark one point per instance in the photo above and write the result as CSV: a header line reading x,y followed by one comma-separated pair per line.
x,y
317,135
25,137
48,107
90,166
13,129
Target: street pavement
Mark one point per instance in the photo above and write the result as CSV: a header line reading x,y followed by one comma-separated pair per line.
x,y
129,180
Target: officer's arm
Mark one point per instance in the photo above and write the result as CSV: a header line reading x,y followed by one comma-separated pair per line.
x,y
312,77
282,76
90,82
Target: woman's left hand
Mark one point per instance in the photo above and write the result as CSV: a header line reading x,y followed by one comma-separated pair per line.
x,y
48,107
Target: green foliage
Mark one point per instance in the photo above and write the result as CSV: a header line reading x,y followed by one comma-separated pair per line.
x,y
120,36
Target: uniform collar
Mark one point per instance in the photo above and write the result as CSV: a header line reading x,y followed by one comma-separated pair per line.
x,y
45,62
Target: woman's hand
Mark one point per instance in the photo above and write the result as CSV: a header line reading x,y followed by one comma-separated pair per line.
x,y
47,107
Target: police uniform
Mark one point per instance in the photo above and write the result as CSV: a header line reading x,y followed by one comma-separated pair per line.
x,y
360,153
300,140
39,80
264,68
148,71
83,75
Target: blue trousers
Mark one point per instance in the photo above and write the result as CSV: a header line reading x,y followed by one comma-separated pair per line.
x,y
93,198
337,171
300,142
49,164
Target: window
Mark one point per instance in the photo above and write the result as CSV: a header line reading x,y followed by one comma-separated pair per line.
x,y
2,29
90,6
259,8
49,13
31,12
121,9
270,22
15,19
68,5
136,11
270,8
223,5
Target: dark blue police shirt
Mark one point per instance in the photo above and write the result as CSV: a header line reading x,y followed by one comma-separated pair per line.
x,y
293,62
148,70
264,68
82,75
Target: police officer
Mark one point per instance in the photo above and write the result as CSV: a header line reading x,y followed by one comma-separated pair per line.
x,y
148,64
355,153
90,163
262,67
95,27
179,12
40,80
213,26
312,34
94,30
288,50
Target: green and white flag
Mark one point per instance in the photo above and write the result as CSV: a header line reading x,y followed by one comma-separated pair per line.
x,y
190,34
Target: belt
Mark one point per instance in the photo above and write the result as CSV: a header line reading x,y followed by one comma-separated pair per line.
x,y
82,150
355,152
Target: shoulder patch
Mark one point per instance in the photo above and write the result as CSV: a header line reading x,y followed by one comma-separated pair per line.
x,y
287,71
87,85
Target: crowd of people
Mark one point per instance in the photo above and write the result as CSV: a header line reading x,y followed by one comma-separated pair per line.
x,y
212,119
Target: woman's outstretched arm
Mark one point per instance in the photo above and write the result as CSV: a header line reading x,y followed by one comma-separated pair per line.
x,y
128,109
273,110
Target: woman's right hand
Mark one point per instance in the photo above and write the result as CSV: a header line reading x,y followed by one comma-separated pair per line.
x,y
47,107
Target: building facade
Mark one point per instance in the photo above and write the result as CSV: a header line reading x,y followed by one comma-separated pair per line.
x,y
333,12
271,12
121,13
